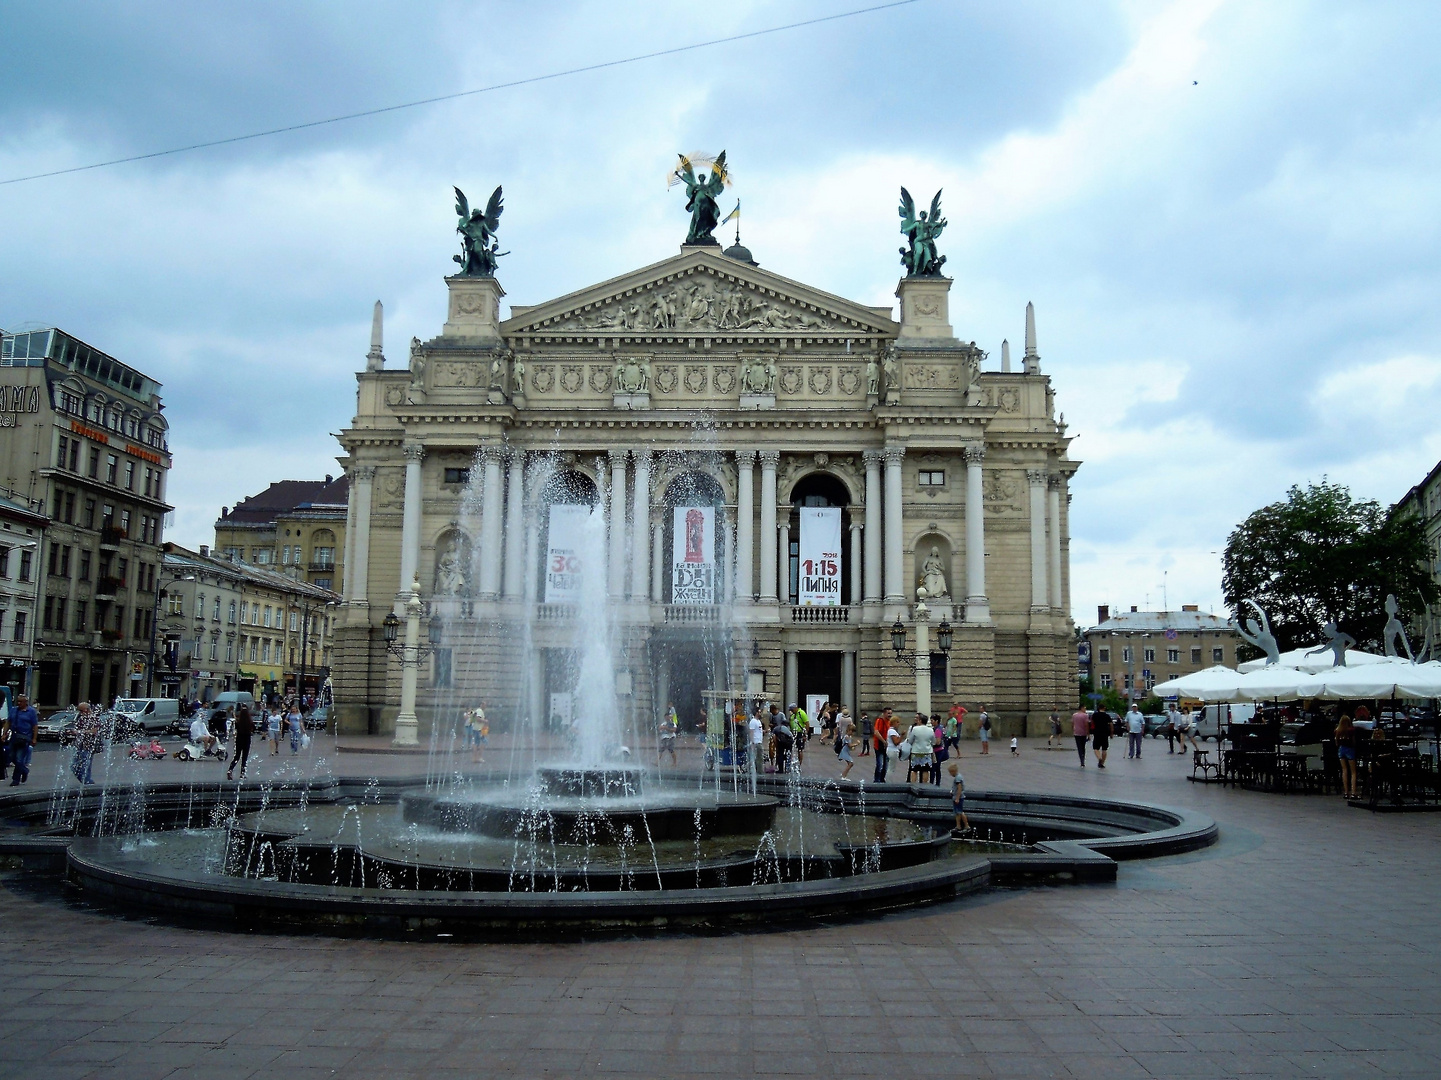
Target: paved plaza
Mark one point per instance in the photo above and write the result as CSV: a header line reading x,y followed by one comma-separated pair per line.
x,y
1303,944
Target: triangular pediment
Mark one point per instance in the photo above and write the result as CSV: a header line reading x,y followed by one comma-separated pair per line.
x,y
699,293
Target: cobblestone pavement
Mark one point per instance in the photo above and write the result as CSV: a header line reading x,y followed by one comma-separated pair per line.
x,y
1304,944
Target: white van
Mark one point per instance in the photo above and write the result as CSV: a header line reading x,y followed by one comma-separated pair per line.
x,y
154,714
1212,719
230,701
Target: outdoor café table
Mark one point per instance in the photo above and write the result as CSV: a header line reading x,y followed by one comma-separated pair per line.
x,y
1291,770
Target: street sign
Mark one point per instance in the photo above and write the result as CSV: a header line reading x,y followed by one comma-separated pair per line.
x,y
1170,635
169,679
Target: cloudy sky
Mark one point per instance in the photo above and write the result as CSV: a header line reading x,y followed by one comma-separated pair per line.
x,y
1226,214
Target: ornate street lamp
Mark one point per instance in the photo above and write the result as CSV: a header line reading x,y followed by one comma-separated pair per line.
x,y
411,655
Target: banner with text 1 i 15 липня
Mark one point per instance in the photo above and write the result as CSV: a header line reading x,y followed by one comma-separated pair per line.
x,y
820,557
693,556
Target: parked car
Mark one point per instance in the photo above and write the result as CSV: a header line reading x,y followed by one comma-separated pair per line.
x,y
153,715
52,726
1211,721
318,718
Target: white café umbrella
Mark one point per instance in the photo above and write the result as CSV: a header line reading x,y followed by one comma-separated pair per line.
x,y
1277,683
1217,683
1306,660
1397,679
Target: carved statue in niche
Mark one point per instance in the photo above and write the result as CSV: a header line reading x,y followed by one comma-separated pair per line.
x,y
417,364
517,378
933,574
450,567
497,372
632,376
890,367
758,377
873,377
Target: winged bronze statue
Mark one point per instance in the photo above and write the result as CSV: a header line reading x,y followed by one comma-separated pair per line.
x,y
921,258
477,235
702,192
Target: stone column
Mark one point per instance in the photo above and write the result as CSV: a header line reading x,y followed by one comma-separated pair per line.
x,y
1053,534
640,526
848,685
783,553
492,526
769,459
357,571
1039,594
657,563
856,541
872,561
895,528
616,582
515,527
602,489
792,679
410,524
529,579
978,606
745,525
349,551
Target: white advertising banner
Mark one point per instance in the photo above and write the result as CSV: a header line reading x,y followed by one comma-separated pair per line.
x,y
693,556
820,554
563,567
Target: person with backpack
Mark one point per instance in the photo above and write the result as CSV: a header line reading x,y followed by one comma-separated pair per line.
x,y
783,740
985,731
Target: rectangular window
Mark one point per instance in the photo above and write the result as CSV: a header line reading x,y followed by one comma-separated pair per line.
x,y
70,508
80,616
112,464
65,561
74,455
254,649
4,562
457,476
84,565
231,613
1126,654
325,582
294,621
262,556
938,673
324,556
125,523
215,646
54,559
175,604
20,619
1218,656
63,452
267,615
285,555
1150,681
27,558
216,613
130,476
1103,654
60,605
265,652
1149,656
200,606
122,570
229,650
932,478
89,519
1105,680
93,468
45,619
1173,656
1195,654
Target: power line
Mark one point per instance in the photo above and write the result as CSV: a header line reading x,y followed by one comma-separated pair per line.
x,y
463,93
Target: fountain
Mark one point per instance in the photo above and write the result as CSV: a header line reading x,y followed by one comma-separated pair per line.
x,y
573,837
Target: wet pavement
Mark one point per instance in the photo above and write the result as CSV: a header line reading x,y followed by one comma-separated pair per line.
x,y
1303,944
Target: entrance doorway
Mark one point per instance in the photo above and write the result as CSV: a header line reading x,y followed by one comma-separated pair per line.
x,y
818,673
690,673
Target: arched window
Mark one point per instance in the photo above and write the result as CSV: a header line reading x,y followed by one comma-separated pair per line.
x,y
694,567
566,487
820,489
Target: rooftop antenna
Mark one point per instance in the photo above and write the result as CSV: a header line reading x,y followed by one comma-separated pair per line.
x,y
1165,603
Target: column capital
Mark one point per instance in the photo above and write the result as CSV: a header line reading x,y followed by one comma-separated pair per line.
x,y
414,452
488,453
515,456
642,456
856,526
872,457
769,459
894,454
746,459
617,457
975,452
1057,482
363,474
1037,477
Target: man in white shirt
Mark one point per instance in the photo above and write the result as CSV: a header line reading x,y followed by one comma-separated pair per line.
x,y
200,734
1135,732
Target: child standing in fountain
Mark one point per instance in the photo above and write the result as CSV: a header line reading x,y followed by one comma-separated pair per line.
x,y
958,799
668,730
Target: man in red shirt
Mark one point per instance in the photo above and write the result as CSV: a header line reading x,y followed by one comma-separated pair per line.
x,y
879,742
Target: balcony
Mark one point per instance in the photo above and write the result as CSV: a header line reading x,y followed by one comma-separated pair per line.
x,y
321,567
554,612
108,586
692,614
821,614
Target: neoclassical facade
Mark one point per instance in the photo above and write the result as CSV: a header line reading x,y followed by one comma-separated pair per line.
x,y
707,383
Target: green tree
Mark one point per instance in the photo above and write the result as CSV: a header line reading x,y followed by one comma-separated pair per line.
x,y
1320,555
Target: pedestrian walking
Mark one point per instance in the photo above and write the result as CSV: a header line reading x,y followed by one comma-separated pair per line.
x,y
985,731
953,728
1101,736
244,731
867,730
844,744
272,729
783,740
1135,732
1081,729
296,727
668,734
800,731
1015,746
1346,755
1054,738
24,722
881,742
1188,730
87,742
920,746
